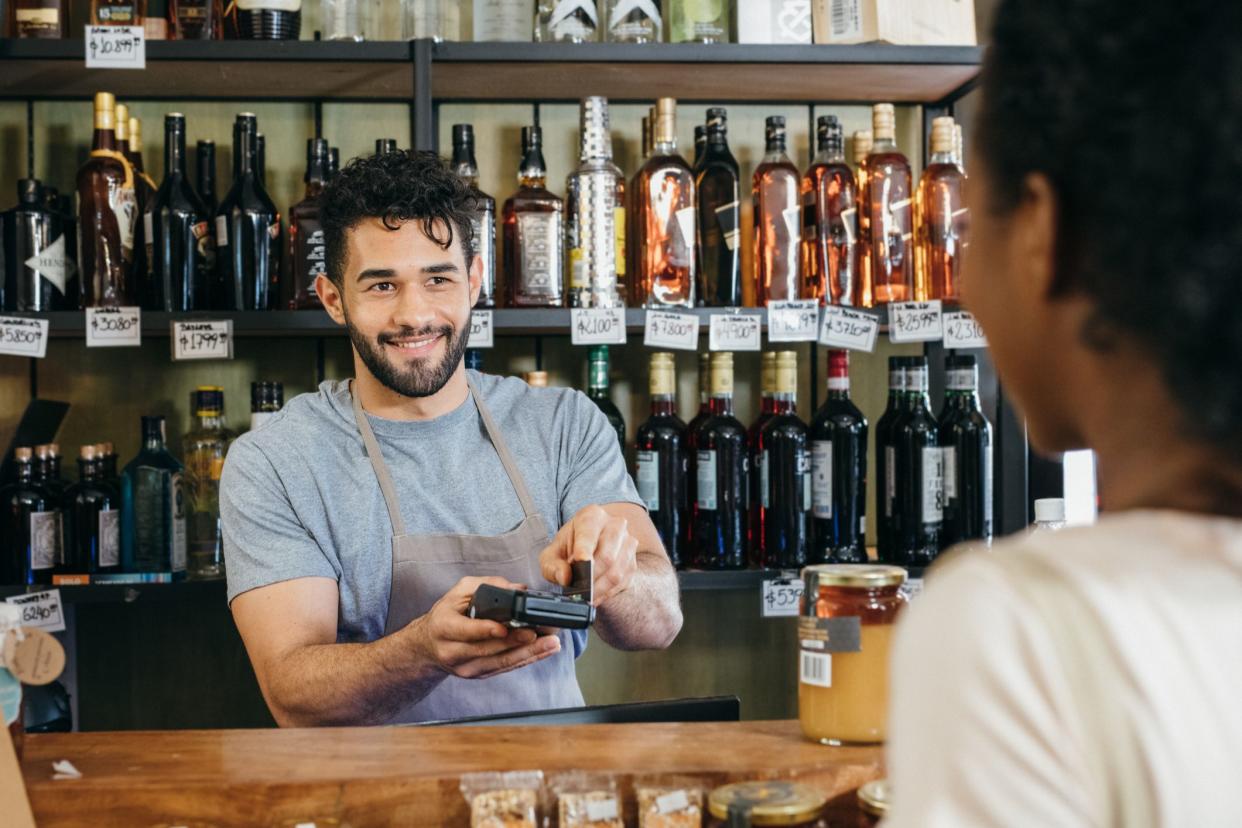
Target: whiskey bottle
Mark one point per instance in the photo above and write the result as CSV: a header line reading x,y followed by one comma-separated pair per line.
x,y
194,19
205,158
92,519
767,410
700,143
966,440
632,254
266,399
662,461
247,231
634,21
270,19
334,162
698,21
305,258
31,530
862,148
784,474
484,218
665,203
886,461
719,217
116,12
534,222
153,506
39,18
384,146
830,221
597,390
839,472
920,474
941,218
595,228
204,447
890,221
566,21
722,476
36,252
184,251
129,143
107,213
507,20
776,192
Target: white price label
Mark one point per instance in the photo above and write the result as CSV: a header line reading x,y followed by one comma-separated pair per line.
x,y
202,340
597,326
915,321
113,327
962,330
42,610
781,597
735,332
115,47
672,330
848,328
482,332
793,320
912,588
23,337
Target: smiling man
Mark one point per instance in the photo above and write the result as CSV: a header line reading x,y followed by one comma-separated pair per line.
x,y
359,521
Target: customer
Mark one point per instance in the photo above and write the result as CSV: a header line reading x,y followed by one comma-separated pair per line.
x,y
1093,677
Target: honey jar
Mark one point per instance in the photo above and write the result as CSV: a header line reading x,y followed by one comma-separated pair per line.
x,y
744,804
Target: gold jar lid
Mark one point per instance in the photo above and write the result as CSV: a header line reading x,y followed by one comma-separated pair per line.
x,y
870,576
769,803
874,797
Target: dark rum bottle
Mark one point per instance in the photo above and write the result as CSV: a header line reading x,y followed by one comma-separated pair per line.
x,y
830,221
662,461
534,232
920,474
597,390
484,216
722,472
890,215
886,461
719,217
784,474
665,220
107,213
966,440
31,533
941,219
767,408
839,472
776,192
305,259
93,519
247,231
184,251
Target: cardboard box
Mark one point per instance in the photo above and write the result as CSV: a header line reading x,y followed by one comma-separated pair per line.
x,y
905,22
774,21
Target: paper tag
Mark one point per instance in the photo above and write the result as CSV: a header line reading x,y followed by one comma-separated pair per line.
x,y
113,327
781,597
672,330
482,332
202,340
848,328
912,588
34,656
672,802
597,326
222,230
115,47
735,332
598,810
41,610
961,330
793,320
915,321
23,337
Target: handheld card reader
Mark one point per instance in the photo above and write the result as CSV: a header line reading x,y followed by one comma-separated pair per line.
x,y
570,609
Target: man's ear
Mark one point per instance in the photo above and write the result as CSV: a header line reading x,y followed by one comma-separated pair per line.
x,y
476,279
331,299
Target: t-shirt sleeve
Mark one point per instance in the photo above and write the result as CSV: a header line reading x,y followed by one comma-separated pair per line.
x,y
596,468
264,541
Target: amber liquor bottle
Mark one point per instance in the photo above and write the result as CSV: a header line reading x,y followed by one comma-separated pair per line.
x,y
862,148
662,461
719,217
144,253
484,217
184,251
247,231
839,472
534,227
39,18
941,218
194,19
776,193
107,213
666,228
830,221
722,476
890,214
305,258
117,12
767,409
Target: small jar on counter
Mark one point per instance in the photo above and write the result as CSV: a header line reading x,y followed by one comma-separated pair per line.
x,y
744,804
844,634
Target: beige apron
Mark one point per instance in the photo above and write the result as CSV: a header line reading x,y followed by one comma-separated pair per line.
x,y
425,567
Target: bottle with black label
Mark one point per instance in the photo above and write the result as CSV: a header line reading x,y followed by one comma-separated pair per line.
x,y
306,259
719,217
484,212
886,461
184,250
920,474
38,261
266,398
93,518
662,461
722,476
784,473
247,231
153,506
31,532
966,441
839,472
534,232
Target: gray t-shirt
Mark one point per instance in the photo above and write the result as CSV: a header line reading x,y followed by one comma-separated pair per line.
x,y
298,496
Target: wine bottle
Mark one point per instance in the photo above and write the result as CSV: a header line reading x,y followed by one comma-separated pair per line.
x,y
889,230
144,234
722,472
184,249
940,231
597,390
886,461
784,474
920,474
247,231
665,202
205,158
966,440
839,472
767,409
662,461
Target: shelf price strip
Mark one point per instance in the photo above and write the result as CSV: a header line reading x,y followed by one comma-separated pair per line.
x,y
915,321
679,331
115,47
848,328
20,336
113,327
597,326
202,340
734,332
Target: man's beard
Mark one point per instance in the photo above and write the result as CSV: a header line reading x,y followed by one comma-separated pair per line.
x,y
419,379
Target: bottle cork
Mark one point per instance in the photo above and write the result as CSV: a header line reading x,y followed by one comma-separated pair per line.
x,y
105,114
786,377
943,135
767,373
666,121
863,142
663,382
122,122
884,122
722,374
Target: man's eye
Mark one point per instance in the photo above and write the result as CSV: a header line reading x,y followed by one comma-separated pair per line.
x,y
438,280
382,287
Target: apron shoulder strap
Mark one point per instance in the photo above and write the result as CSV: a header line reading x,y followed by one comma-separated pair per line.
x,y
376,456
502,449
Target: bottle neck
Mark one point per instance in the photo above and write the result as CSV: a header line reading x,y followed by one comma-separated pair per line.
x,y
153,438
784,402
533,172
943,158
463,161
830,153
174,152
775,150
663,405
104,139
839,388
211,422
767,403
668,147
885,144
721,404
25,472
207,175
243,153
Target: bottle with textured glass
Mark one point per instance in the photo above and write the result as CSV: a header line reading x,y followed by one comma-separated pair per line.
x,y
767,410
194,19
966,440
107,213
941,219
534,227
634,21
93,518
184,251
484,216
36,250
31,536
116,12
306,257
38,18
920,474
862,148
566,21
247,231
597,390
784,474
153,506
776,193
889,229
719,217
722,476
129,142
839,472
698,21
665,202
830,221
205,167
662,461
886,461
266,399
204,447
595,221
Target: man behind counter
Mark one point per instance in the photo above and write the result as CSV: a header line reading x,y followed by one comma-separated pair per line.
x,y
359,521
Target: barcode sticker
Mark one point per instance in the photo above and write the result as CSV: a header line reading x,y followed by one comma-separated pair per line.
x,y
816,669
482,335
846,23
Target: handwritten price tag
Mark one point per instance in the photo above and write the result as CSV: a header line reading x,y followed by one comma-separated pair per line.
x,y
793,320
113,327
597,326
672,330
23,337
961,330
781,597
115,47
734,332
915,321
848,328
202,340
482,332
42,610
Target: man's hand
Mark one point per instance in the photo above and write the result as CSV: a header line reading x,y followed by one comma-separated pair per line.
x,y
594,535
471,647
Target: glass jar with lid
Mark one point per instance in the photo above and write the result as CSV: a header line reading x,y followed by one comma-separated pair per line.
x,y
744,804
844,635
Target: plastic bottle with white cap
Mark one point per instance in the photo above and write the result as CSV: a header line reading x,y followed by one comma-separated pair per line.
x,y
1049,514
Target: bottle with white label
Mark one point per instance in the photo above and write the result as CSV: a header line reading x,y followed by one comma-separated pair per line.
x,y
719,217
36,253
919,506
664,244
767,410
721,468
534,228
153,506
566,21
839,472
776,190
784,474
266,399
662,461
966,441
93,518
886,461
30,526
306,254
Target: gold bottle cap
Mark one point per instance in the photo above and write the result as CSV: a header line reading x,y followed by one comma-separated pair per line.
x,y
722,373
23,453
663,380
87,452
666,121
875,796
767,373
105,115
135,135
122,122
786,374
943,135
884,122
536,379
862,145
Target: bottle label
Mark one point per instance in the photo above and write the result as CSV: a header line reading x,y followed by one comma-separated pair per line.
x,y
34,20
764,481
649,479
578,278
312,251
933,485
618,224
148,228
960,379
727,218
683,246
222,230
821,479
890,479
645,14
849,224
53,264
897,380
539,240
706,480
116,14
950,474
46,550
176,521
564,8
124,204
838,383
109,537
793,226
804,478
206,245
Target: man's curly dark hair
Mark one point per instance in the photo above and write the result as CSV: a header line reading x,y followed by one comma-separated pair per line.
x,y
396,187
1136,119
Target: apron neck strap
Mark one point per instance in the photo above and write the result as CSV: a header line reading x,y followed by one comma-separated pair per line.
x,y
502,449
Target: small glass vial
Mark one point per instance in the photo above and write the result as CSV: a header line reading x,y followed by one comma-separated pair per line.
x,y
776,802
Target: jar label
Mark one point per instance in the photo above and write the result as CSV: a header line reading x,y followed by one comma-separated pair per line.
x,y
649,479
830,635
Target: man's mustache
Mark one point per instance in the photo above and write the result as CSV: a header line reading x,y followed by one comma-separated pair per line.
x,y
413,333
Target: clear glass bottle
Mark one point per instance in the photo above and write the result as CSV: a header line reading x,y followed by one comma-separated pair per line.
x,y
966,440
343,19
665,203
183,247
634,21
776,192
717,186
31,532
534,228
438,20
484,213
595,221
266,398
597,389
830,221
839,471
306,255
889,233
941,219
698,21
204,446
662,462
36,250
93,518
722,474
153,506
862,148
506,20
566,21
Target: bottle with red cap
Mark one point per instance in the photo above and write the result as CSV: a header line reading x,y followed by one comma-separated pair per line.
x,y
839,472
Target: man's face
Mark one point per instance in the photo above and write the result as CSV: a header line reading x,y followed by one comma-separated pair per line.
x,y
406,302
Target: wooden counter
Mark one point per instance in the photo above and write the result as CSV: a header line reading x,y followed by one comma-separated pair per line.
x,y
391,776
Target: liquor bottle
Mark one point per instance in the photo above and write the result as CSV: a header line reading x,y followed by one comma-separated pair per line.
x,y
536,379
47,471
155,20
484,217
889,228
39,18
597,390
184,252
129,143
665,222
153,506
205,158
508,20
334,162
383,146
116,12
534,222
37,260
959,146
107,210
862,148
662,461
722,476
260,159
839,472
204,447
776,192
784,474
269,19
31,536
920,474
566,21
886,461
92,519
698,21
941,219
194,19
719,217
266,399
437,20
700,143
632,254
595,221
830,221
474,359
767,409
634,21
247,231
107,453
966,440
305,258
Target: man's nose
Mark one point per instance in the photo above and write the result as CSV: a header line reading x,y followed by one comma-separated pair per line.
x,y
413,310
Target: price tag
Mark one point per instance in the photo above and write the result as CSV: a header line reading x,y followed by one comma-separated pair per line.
x,y
113,327
23,337
915,321
781,597
912,588
848,328
672,330
482,333
41,610
202,340
734,332
597,326
115,47
961,330
793,320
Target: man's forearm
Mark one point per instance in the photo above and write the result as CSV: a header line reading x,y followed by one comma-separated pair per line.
x,y
647,615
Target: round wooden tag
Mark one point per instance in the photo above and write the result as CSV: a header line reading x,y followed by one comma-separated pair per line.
x,y
38,658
